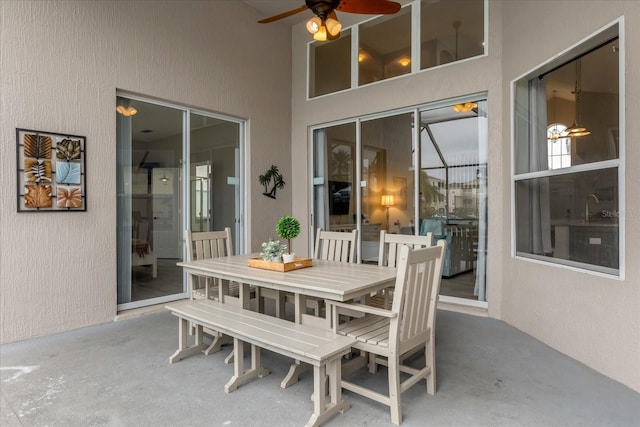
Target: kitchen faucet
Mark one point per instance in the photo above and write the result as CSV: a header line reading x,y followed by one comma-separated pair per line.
x,y
586,205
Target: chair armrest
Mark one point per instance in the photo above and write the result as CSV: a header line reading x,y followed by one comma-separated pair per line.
x,y
363,308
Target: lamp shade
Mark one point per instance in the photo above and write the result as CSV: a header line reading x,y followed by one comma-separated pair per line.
x,y
314,24
321,35
333,26
387,200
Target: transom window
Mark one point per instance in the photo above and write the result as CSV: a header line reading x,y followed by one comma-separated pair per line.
x,y
558,146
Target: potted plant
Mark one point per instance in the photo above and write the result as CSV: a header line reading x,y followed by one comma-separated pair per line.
x,y
288,228
272,250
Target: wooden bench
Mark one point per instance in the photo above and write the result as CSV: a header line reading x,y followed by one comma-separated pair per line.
x,y
320,348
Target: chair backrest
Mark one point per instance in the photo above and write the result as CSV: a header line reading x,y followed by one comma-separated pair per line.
x,y
208,244
390,245
336,245
415,296
204,245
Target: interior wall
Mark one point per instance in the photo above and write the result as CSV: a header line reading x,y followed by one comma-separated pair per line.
x,y
592,318
60,65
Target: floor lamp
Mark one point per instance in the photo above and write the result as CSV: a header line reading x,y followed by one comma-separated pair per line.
x,y
387,202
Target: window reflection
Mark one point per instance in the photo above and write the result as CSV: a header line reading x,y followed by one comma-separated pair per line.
x,y
450,31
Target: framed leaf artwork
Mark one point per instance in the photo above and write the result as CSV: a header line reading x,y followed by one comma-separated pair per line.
x,y
51,171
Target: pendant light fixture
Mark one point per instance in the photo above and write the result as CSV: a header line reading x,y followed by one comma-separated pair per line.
x,y
576,129
125,108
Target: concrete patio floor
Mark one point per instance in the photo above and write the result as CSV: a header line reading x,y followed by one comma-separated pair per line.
x,y
118,374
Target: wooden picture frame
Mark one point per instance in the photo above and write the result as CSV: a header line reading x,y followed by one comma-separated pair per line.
x,y
51,171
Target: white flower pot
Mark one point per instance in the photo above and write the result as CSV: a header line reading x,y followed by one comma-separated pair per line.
x,y
275,259
288,257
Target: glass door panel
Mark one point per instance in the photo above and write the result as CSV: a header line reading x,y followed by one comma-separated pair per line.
x,y
452,193
334,171
149,204
387,175
214,175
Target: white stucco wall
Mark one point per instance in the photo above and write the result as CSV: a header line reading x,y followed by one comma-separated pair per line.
x,y
593,319
60,65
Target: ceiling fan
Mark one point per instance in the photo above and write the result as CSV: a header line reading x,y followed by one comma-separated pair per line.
x,y
325,25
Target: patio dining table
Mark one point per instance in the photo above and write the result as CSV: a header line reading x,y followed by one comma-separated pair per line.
x,y
329,280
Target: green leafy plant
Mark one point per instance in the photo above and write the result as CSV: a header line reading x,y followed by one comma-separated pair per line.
x,y
272,249
288,228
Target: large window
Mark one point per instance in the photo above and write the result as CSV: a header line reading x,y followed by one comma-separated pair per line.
x,y
567,177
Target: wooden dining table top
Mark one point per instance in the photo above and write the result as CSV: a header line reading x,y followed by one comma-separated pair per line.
x,y
333,280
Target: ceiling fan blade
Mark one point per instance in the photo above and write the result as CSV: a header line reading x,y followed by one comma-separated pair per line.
x,y
370,7
283,15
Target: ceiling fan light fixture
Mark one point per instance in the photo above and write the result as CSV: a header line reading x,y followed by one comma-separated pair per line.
x,y
333,26
314,24
404,61
321,35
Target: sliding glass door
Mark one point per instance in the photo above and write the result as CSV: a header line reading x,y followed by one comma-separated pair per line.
x,y
176,169
418,171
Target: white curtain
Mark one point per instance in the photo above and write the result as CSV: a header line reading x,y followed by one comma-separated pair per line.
x,y
320,183
480,289
539,213
123,182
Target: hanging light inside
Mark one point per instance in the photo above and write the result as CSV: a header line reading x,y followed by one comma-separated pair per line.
x,y
125,108
466,107
576,130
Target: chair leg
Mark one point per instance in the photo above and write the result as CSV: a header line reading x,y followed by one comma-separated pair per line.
x,y
394,389
430,359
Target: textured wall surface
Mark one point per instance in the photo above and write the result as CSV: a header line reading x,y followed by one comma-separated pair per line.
x,y
60,65
591,318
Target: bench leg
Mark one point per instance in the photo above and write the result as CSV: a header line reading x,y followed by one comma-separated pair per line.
x,y
322,410
184,349
240,375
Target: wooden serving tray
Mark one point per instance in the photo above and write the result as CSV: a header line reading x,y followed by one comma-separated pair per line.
x,y
280,266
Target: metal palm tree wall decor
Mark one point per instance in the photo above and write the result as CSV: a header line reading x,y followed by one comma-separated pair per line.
x,y
273,174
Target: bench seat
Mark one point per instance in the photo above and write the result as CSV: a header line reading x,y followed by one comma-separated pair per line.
x,y
323,349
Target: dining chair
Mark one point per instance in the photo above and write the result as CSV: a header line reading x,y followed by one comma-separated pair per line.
x,y
336,245
331,246
206,245
389,255
390,334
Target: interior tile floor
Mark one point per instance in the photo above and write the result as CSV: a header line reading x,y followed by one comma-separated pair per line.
x,y
118,374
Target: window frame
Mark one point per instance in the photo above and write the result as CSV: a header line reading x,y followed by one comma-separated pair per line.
x,y
613,29
415,6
